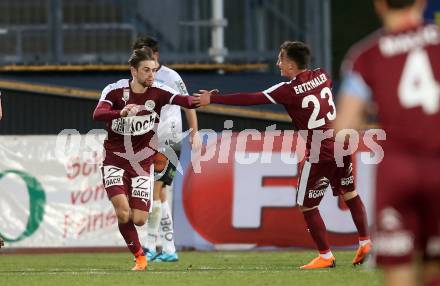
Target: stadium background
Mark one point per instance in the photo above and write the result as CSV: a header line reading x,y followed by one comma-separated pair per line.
x,y
57,55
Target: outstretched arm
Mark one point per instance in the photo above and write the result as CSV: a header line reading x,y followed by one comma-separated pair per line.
x,y
190,102
242,98
104,112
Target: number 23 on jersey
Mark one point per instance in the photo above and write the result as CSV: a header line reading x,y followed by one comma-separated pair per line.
x,y
314,121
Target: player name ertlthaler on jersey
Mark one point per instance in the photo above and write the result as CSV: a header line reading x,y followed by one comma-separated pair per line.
x,y
135,125
311,84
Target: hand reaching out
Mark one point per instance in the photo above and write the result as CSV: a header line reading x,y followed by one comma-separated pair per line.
x,y
205,96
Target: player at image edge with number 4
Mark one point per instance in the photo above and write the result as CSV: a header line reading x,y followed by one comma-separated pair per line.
x,y
398,68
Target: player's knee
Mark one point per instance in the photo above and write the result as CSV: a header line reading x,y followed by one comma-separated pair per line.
x,y
139,221
156,195
163,195
158,186
123,215
349,195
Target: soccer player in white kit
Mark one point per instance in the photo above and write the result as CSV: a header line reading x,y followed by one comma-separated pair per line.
x,y
160,222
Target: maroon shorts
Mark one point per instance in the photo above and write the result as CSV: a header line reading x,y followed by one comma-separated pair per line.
x,y
315,178
137,188
407,209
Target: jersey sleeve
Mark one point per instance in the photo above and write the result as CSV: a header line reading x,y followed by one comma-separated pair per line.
x,y
242,98
354,85
108,94
171,96
103,112
167,95
354,78
279,93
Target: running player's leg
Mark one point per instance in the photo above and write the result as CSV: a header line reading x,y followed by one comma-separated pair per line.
x,y
150,246
128,230
139,198
117,185
343,184
400,275
154,223
166,229
312,186
359,216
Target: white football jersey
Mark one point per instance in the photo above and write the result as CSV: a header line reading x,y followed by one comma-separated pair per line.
x,y
170,124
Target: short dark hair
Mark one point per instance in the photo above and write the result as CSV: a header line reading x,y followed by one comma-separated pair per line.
x,y
139,55
298,52
147,41
399,4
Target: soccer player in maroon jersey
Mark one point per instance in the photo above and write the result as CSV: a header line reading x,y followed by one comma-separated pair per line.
x,y
130,108
398,68
308,99
169,130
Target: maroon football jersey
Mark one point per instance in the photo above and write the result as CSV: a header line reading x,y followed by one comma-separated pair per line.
x,y
401,72
309,101
136,131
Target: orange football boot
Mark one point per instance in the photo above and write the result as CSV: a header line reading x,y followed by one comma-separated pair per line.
x,y
362,253
141,263
320,262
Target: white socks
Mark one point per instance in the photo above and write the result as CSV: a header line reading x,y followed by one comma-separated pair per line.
x,y
153,225
161,221
166,227
326,255
363,242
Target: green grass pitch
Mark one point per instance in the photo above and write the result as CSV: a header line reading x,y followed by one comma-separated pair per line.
x,y
194,268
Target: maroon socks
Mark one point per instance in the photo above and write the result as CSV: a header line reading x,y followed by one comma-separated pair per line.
x,y
130,235
359,215
317,229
